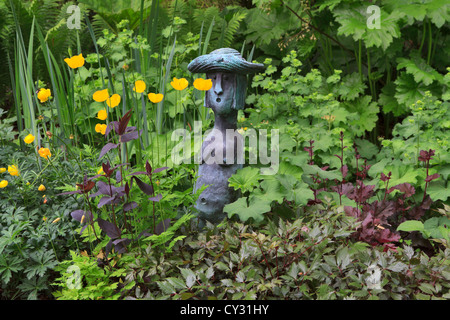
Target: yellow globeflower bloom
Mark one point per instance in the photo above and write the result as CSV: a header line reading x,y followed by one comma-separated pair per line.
x,y
56,220
139,86
2,170
75,61
100,128
41,187
202,84
3,183
13,170
102,114
179,84
44,94
101,95
155,97
113,101
44,153
29,139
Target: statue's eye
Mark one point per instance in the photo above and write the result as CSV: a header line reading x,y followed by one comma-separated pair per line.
x,y
214,77
225,77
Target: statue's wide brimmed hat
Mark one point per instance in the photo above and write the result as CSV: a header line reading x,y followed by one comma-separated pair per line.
x,y
224,60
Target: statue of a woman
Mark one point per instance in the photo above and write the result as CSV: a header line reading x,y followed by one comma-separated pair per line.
x,y
227,70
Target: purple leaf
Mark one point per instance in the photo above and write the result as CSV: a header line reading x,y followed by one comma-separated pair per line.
x,y
105,200
129,206
148,168
146,188
405,188
124,122
129,136
121,245
112,124
156,199
106,148
77,215
138,173
344,171
162,226
159,169
110,229
432,177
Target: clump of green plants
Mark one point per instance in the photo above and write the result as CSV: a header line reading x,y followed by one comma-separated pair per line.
x,y
113,207
35,232
307,258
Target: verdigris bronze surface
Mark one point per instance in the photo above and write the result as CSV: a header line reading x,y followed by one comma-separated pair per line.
x,y
227,70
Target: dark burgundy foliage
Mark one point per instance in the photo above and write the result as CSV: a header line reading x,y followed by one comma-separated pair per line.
x,y
379,218
115,197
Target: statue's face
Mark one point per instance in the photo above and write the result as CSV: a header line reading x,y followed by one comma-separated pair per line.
x,y
221,96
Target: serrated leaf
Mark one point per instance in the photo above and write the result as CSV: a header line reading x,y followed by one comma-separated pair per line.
x,y
245,179
438,191
255,209
176,283
166,287
419,69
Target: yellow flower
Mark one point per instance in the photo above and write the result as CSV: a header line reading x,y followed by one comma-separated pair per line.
x,y
155,97
202,84
41,187
100,128
100,171
3,183
100,95
29,139
13,170
44,153
2,170
56,220
139,86
75,61
179,84
44,94
44,219
102,114
113,101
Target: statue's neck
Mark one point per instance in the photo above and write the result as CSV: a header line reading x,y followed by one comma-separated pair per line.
x,y
224,122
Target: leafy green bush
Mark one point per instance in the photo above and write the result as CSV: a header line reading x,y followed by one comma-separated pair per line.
x,y
308,258
35,230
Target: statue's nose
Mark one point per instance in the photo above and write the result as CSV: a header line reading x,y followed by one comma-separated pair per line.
x,y
218,89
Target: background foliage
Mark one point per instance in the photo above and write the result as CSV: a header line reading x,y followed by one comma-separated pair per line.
x,y
363,181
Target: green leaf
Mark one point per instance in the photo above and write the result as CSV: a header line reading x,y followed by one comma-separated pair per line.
x,y
364,115
255,209
420,70
245,179
353,20
438,191
408,91
270,191
166,287
411,225
402,174
324,174
351,86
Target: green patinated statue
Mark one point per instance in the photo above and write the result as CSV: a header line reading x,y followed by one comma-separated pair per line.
x,y
227,70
